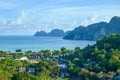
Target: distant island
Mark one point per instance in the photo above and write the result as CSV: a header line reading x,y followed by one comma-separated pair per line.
x,y
95,31
91,32
52,33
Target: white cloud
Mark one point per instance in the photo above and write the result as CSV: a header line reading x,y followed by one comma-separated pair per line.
x,y
93,18
74,23
28,22
67,18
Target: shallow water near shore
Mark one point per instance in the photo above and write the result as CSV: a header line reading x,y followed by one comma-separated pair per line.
x,y
11,43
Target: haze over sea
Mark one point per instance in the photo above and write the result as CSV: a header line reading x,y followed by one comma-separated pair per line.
x,y
11,43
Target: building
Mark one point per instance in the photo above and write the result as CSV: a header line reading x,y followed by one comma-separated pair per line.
x,y
32,69
62,66
117,77
21,69
35,55
1,58
20,54
22,59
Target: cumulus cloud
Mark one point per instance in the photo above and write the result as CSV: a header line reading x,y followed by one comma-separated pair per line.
x,y
28,23
93,18
17,24
31,20
75,23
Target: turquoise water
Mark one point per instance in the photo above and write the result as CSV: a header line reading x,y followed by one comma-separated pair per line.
x,y
11,43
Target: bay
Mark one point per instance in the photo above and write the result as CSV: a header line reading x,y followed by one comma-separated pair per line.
x,y
11,43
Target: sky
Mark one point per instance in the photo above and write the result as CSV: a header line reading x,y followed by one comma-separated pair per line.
x,y
25,17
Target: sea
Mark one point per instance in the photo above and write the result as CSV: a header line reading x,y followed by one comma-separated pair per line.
x,y
12,43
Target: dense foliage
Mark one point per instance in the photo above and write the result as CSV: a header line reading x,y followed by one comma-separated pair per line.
x,y
98,62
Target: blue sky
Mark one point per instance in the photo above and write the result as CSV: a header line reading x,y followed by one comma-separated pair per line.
x,y
25,17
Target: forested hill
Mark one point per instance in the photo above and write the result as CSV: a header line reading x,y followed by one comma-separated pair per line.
x,y
95,31
98,62
109,42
